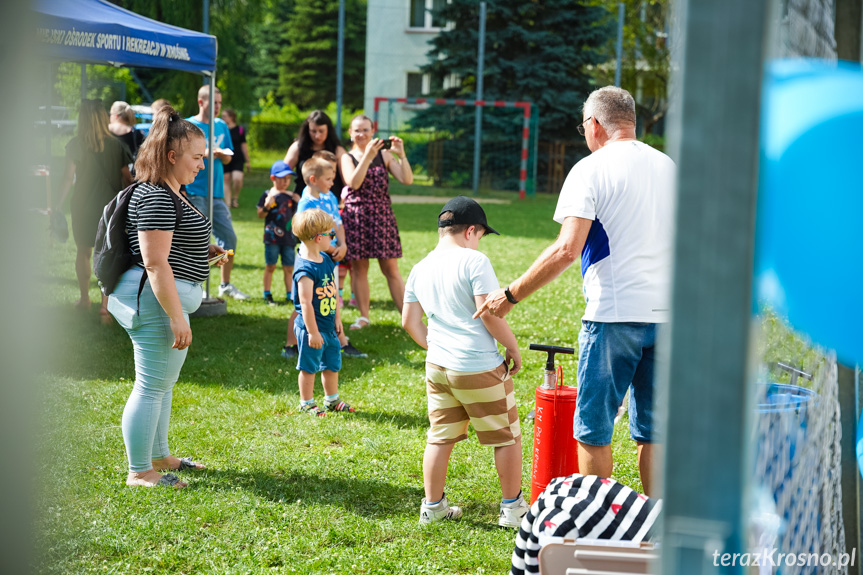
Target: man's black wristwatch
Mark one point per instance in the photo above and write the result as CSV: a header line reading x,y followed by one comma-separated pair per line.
x,y
509,297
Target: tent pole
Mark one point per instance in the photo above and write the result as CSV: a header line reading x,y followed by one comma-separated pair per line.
x,y
210,143
340,68
83,82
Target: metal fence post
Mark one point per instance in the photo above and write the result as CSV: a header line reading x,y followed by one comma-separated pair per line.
x,y
702,380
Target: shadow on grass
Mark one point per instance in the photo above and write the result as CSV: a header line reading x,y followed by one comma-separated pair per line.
x,y
240,350
369,498
399,420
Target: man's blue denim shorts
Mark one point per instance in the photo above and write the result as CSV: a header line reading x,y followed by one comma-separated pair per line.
x,y
614,357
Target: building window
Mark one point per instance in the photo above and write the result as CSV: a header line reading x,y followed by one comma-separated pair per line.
x,y
424,14
415,85
421,85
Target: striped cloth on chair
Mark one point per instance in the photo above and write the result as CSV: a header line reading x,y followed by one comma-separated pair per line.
x,y
582,506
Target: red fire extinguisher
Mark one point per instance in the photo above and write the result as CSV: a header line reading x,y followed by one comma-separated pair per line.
x,y
555,450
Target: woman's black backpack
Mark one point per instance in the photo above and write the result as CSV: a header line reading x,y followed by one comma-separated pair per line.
x,y
112,255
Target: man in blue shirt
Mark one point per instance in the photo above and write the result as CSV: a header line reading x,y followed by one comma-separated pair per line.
x,y
223,151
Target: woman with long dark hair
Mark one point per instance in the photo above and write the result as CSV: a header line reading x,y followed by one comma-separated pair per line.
x,y
98,165
173,254
316,133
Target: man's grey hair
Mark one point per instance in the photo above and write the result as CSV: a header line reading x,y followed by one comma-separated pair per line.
x,y
612,107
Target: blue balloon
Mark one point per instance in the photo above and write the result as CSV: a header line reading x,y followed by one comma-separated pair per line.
x,y
809,234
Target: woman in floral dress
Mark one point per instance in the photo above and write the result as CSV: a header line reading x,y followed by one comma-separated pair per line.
x,y
371,231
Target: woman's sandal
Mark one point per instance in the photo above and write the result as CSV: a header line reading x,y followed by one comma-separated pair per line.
x,y
186,463
167,480
361,322
235,203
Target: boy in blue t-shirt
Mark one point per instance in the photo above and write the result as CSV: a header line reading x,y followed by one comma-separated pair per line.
x,y
277,206
319,175
319,319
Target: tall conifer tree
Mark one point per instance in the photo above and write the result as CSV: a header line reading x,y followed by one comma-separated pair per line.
x,y
535,50
307,65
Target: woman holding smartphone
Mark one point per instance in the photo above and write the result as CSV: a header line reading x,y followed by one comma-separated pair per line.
x,y
370,226
173,255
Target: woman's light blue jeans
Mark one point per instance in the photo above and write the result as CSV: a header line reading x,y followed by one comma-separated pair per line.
x,y
157,367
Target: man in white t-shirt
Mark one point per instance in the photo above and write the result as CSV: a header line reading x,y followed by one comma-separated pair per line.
x,y
616,210
467,380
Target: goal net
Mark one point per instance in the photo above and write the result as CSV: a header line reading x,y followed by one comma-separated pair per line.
x,y
439,140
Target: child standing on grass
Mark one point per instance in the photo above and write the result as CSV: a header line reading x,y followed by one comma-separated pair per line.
x,y
277,206
319,320
467,380
343,266
319,175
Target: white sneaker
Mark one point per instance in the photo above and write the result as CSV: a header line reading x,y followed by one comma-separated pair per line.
x,y
231,291
511,514
438,512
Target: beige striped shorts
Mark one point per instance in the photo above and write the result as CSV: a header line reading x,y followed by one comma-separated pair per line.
x,y
484,399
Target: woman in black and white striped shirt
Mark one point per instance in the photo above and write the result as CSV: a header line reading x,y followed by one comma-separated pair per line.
x,y
174,250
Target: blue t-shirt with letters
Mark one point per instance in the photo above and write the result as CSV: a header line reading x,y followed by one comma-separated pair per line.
x,y
325,295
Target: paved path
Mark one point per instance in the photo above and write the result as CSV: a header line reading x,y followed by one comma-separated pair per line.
x,y
440,200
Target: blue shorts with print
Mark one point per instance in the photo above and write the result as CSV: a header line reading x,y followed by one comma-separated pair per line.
x,y
614,357
311,360
272,252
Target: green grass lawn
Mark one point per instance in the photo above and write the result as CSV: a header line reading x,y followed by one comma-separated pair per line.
x,y
284,492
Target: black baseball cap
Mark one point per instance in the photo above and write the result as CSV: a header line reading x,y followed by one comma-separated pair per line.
x,y
465,211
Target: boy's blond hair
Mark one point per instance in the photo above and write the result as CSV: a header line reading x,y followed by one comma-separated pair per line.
x,y
309,223
315,167
325,155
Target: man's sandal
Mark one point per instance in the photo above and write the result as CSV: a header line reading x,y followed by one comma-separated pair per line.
x,y
361,322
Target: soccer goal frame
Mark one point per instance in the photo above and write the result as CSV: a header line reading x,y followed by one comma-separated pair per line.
x,y
525,136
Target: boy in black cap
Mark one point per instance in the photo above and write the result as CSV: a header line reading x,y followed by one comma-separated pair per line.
x,y
467,380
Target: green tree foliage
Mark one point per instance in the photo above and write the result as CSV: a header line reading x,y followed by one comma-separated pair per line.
x,y
228,22
103,82
645,70
270,35
535,50
254,38
307,65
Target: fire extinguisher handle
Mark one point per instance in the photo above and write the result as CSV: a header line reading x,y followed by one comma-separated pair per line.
x,y
551,350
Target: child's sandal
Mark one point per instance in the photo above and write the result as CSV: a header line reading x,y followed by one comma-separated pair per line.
x,y
339,406
313,409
